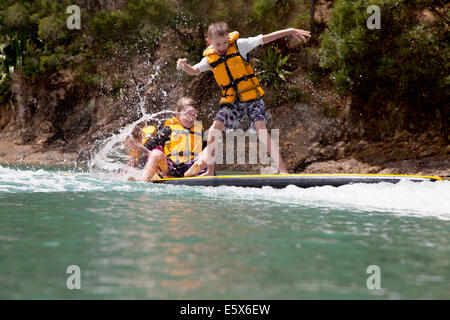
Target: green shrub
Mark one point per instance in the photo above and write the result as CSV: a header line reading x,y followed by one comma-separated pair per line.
x,y
267,14
406,61
15,49
6,68
90,80
153,12
5,87
274,67
31,66
106,25
302,21
297,94
53,28
283,93
16,17
138,17
33,33
52,63
328,111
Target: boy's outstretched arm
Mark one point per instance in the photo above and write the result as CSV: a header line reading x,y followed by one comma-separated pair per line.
x,y
298,34
183,65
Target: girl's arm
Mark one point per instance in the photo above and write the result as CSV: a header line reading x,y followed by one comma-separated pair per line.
x,y
298,34
159,139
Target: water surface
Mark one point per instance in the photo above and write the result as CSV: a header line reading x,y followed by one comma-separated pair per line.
x,y
143,241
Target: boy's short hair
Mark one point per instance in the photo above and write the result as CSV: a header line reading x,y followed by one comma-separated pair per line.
x,y
217,29
182,102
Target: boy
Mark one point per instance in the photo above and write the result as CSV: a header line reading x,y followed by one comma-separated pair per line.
x,y
181,139
227,56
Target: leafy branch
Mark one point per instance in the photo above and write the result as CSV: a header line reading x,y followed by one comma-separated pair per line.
x,y
274,66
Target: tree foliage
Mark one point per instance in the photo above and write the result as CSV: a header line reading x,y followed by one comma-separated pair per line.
x,y
403,64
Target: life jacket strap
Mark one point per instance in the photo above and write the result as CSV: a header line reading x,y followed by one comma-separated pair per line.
x,y
185,131
236,81
184,154
224,58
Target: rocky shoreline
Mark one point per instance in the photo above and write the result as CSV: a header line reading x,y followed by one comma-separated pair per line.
x,y
32,155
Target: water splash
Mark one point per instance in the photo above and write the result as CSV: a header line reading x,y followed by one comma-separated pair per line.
x,y
109,155
406,198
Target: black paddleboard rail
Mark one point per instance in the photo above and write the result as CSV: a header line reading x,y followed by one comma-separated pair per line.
x,y
299,180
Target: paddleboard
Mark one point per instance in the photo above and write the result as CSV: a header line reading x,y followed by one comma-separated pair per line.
x,y
299,180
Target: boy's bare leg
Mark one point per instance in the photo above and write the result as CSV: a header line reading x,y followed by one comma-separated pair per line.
x,y
156,159
275,153
210,152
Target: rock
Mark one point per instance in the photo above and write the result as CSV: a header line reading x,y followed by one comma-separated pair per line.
x,y
426,153
46,132
402,136
26,135
327,153
422,138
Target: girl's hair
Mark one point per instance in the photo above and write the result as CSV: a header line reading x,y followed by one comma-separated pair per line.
x,y
136,133
182,102
217,29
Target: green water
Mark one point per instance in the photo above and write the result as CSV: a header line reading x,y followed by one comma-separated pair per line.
x,y
165,242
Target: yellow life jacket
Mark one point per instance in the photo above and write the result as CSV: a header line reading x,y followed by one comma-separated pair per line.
x,y
233,73
148,132
184,144
170,121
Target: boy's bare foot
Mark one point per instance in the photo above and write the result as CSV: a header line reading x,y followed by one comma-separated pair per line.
x,y
283,172
193,170
207,173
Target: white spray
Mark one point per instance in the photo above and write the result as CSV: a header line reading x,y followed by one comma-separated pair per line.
x,y
108,154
